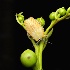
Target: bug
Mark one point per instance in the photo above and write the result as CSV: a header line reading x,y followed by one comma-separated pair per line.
x,y
34,28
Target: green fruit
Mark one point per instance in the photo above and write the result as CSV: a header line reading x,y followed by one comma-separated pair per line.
x,y
68,10
52,16
21,18
42,21
28,58
62,11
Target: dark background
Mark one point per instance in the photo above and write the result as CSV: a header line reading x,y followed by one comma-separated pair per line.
x,y
14,40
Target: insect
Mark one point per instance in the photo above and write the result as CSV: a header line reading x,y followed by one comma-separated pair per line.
x,y
34,28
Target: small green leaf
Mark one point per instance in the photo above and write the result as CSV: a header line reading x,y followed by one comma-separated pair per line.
x,y
47,37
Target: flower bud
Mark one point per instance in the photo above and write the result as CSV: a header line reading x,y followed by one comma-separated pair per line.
x,y
62,11
68,10
20,17
42,21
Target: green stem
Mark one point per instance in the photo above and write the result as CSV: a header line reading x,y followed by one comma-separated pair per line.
x,y
38,52
39,49
51,26
36,66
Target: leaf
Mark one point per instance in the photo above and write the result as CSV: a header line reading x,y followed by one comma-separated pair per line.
x,y
46,39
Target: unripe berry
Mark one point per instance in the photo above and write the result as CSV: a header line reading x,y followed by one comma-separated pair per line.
x,y
62,11
52,16
21,18
28,58
68,10
42,21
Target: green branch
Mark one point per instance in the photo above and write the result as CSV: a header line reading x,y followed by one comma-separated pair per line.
x,y
55,21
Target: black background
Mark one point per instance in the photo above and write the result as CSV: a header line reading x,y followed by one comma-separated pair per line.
x,y
14,40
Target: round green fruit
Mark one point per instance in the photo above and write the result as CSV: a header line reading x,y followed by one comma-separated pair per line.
x,y
62,11
42,21
28,58
68,10
52,16
20,18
